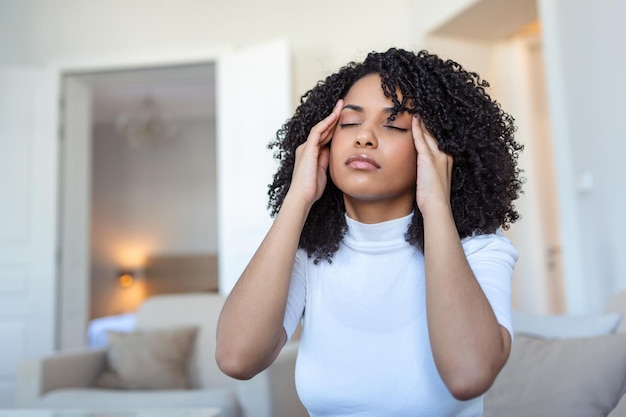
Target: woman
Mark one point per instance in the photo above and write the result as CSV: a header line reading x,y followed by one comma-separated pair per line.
x,y
396,177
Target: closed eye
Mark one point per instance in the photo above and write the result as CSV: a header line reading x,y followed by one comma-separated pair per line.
x,y
348,124
400,129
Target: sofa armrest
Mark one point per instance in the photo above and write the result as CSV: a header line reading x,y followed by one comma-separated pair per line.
x,y
76,369
272,393
620,408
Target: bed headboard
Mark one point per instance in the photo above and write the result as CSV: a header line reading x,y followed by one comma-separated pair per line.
x,y
171,274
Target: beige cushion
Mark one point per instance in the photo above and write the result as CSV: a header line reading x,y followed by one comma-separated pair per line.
x,y
197,309
567,377
148,359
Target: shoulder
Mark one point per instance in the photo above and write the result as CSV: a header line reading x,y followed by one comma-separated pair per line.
x,y
490,244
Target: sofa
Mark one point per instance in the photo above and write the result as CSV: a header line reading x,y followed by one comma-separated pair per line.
x,y
167,361
564,366
560,366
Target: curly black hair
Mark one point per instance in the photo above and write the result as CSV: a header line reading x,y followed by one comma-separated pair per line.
x,y
453,103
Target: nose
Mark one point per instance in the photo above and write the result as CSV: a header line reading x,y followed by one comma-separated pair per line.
x,y
365,138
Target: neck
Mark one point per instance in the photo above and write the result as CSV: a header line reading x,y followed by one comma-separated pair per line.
x,y
371,212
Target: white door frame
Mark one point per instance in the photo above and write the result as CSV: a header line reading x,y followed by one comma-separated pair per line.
x,y
576,283
28,233
242,200
73,240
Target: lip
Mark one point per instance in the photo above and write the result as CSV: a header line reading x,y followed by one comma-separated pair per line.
x,y
362,162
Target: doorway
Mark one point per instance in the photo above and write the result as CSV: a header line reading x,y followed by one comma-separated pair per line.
x,y
237,197
150,185
153,183
45,242
501,40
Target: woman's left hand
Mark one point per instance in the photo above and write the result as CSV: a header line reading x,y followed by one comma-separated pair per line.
x,y
434,169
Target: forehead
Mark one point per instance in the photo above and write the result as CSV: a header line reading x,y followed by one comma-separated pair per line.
x,y
368,86
368,92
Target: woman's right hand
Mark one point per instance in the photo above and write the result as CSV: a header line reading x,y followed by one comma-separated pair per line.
x,y
309,174
250,331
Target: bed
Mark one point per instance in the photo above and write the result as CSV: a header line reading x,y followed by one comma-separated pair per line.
x,y
163,274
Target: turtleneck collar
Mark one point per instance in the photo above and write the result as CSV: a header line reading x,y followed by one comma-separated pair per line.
x,y
378,235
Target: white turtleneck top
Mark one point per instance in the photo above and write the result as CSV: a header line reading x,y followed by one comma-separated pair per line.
x,y
364,349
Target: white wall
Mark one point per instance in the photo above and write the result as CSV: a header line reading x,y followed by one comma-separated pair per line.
x,y
586,92
154,199
583,60
324,34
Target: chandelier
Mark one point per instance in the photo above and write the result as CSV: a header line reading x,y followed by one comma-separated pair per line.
x,y
148,126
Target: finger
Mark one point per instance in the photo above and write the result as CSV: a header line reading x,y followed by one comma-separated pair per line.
x,y
320,130
317,132
329,132
418,135
430,140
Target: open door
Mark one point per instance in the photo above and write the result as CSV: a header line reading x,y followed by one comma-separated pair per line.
x,y
75,216
28,189
538,282
253,101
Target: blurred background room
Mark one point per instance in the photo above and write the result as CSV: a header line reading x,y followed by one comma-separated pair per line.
x,y
133,139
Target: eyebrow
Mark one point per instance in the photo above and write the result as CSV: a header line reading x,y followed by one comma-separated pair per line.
x,y
360,109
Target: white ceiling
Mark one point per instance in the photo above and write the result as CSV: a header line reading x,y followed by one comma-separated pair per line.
x,y
183,92
180,92
490,20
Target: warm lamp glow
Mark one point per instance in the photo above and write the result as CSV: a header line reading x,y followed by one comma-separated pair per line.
x,y
533,28
125,279
130,255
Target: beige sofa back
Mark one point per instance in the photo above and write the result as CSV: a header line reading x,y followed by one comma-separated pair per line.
x,y
197,309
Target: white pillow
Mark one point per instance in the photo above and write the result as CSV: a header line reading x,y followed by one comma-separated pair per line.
x,y
565,326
